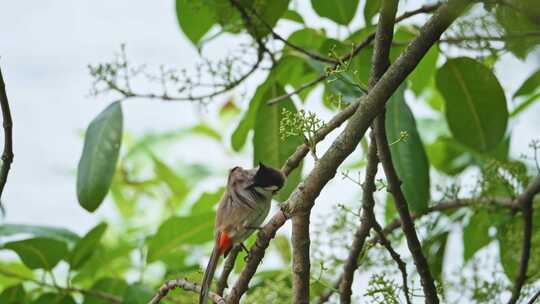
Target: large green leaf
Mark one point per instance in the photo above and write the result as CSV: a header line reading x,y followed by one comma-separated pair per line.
x,y
448,156
434,247
13,295
371,8
176,183
515,22
268,146
475,103
476,233
269,11
39,253
408,156
239,136
86,246
178,231
56,233
21,273
54,298
207,201
195,18
100,153
109,285
424,72
529,86
341,11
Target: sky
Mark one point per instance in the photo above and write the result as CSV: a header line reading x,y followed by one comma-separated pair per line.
x,y
45,47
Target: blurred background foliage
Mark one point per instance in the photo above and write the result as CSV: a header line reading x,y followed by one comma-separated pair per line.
x,y
450,127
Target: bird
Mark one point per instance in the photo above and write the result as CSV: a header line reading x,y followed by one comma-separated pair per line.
x,y
242,209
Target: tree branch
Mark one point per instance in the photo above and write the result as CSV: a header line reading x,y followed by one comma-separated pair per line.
x,y
525,201
186,285
534,298
366,223
407,224
7,155
301,262
395,256
325,169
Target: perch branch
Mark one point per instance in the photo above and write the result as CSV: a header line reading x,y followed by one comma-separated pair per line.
x,y
186,285
301,262
228,267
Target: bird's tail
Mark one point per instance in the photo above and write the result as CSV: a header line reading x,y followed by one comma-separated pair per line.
x,y
223,245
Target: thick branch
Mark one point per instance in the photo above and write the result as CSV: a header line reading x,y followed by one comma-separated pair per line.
x,y
7,155
307,191
186,285
351,264
301,262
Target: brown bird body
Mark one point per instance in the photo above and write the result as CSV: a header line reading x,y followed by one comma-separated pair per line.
x,y
243,208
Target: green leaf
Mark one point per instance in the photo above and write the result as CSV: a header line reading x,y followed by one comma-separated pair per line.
x,y
475,103
525,104
195,18
268,146
54,298
239,136
529,86
283,247
341,12
178,231
86,246
60,234
371,9
421,77
207,201
434,247
39,253
306,38
293,16
137,294
176,184
448,156
100,153
21,273
270,11
476,233
109,285
13,295
409,157
514,22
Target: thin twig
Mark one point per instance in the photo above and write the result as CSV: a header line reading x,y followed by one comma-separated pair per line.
x,y
186,285
395,256
534,298
7,155
95,293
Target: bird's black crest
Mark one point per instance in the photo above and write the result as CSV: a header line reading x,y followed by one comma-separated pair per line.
x,y
268,176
